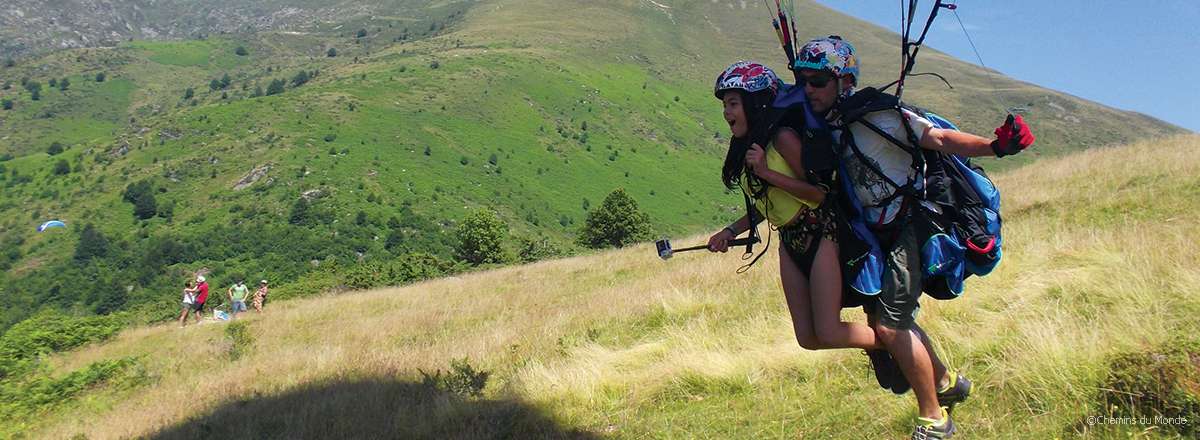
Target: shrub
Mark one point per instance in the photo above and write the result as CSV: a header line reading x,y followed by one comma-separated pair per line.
x,y
300,78
241,51
240,339
54,148
141,195
276,87
7,104
62,167
100,77
300,214
535,249
406,269
48,332
331,52
1156,383
616,223
92,244
462,379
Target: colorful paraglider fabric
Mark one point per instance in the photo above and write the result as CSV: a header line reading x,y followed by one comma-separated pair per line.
x,y
51,224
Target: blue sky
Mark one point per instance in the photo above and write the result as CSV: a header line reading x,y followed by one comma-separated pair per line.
x,y
1135,55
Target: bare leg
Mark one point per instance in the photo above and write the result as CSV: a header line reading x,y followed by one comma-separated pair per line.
x,y
939,369
183,317
826,291
795,290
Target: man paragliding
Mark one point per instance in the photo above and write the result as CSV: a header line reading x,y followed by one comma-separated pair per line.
x,y
51,224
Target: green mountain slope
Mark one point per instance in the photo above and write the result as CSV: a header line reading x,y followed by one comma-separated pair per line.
x,y
536,109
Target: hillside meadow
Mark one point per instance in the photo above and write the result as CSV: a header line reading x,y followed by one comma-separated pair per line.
x,y
1094,296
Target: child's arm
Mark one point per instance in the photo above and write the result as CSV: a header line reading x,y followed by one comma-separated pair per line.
x,y
788,145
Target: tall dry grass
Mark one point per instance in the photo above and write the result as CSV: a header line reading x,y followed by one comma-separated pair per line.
x,y
1099,260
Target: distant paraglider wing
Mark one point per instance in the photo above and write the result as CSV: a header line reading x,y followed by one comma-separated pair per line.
x,y
51,224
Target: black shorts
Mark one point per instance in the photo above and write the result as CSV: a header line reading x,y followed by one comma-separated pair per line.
x,y
198,307
896,306
802,237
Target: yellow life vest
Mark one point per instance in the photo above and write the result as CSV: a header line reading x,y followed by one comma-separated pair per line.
x,y
778,205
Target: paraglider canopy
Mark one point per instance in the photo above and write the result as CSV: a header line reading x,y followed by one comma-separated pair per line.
x,y
51,224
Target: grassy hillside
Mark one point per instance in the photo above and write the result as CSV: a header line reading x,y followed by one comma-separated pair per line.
x,y
1096,287
536,109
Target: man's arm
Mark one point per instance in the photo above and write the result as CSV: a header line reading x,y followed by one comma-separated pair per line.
x,y
1011,138
956,142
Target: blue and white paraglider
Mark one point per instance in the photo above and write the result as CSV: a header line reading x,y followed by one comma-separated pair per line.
x,y
51,224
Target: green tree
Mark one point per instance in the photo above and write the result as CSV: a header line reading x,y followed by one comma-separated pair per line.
x,y
53,82
189,93
62,167
275,88
300,79
301,212
361,33
112,298
258,91
55,148
64,84
145,206
92,243
361,218
141,195
7,104
241,51
9,62
100,77
225,81
616,223
481,237
35,95
214,85
331,52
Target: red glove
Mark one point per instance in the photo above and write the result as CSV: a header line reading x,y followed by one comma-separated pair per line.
x,y
1012,137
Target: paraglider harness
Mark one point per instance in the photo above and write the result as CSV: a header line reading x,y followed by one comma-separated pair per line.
x,y
962,236
961,240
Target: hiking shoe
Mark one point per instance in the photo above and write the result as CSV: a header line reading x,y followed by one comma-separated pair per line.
x,y
956,392
900,383
887,371
884,365
934,429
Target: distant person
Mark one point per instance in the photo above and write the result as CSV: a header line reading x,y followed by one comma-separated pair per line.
x,y
201,297
260,296
237,298
189,301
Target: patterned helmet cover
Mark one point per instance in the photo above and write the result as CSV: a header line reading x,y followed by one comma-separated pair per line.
x,y
830,54
748,76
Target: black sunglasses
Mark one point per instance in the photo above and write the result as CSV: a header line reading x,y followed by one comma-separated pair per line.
x,y
817,81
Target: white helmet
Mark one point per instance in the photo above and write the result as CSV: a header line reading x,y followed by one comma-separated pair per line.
x,y
199,278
